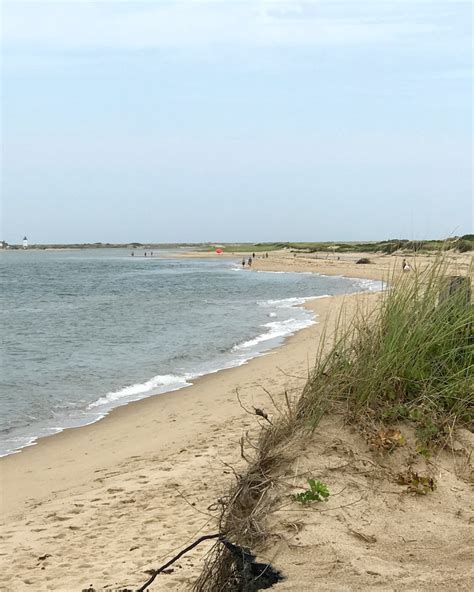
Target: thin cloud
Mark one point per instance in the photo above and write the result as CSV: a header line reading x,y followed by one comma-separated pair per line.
x,y
191,23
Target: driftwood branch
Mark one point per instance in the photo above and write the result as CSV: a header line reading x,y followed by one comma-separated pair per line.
x,y
175,558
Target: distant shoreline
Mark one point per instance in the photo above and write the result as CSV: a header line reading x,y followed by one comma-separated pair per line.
x,y
82,246
461,244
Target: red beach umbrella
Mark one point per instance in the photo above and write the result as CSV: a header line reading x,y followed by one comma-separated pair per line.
x,y
219,251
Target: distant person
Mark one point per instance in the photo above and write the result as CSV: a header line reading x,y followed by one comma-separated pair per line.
x,y
405,265
243,262
151,254
253,255
132,254
145,253
266,255
250,262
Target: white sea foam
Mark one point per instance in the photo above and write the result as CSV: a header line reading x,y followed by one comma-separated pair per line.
x,y
276,330
160,383
370,285
289,302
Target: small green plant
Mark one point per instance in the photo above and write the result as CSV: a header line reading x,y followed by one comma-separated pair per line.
x,y
317,492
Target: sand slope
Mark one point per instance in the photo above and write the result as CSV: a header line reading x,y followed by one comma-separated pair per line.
x,y
372,533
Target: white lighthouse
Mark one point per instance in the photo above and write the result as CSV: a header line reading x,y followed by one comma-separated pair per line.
x,y
25,242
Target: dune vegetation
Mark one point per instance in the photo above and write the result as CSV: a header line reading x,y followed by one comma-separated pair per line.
x,y
410,360
460,244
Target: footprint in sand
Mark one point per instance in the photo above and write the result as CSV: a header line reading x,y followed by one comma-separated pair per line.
x,y
57,518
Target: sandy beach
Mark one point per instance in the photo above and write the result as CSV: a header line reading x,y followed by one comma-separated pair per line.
x,y
99,505
107,501
380,267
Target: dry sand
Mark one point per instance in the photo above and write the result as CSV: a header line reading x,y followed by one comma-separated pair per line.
x,y
381,267
372,533
102,504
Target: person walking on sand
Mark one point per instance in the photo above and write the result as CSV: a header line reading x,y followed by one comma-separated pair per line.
x,y
250,262
243,261
405,265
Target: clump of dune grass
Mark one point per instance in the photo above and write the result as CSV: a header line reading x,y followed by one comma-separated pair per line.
x,y
410,358
250,500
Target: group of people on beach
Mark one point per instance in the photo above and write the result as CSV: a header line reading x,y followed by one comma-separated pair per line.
x,y
251,258
132,254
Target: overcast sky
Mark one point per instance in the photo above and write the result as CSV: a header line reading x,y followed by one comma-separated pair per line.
x,y
183,120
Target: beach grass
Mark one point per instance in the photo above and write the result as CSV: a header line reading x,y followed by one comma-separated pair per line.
x,y
461,244
410,359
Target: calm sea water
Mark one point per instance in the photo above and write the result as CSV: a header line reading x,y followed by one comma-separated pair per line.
x,y
86,331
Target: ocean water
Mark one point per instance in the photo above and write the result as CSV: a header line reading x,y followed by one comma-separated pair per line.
x,y
86,331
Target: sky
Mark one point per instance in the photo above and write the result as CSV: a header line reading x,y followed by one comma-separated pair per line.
x,y
191,121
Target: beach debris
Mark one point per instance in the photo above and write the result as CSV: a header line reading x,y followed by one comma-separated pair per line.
x,y
90,589
297,526
418,484
363,261
262,413
43,557
387,439
250,575
256,410
155,572
368,538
